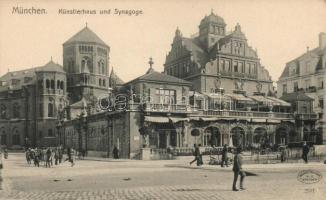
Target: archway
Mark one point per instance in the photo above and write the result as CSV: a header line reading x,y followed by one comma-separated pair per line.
x,y
238,137
260,137
195,133
281,136
211,136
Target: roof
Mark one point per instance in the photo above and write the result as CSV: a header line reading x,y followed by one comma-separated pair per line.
x,y
114,77
86,35
296,96
316,51
16,79
198,53
153,75
212,18
50,67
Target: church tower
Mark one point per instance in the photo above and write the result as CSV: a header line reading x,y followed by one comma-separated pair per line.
x,y
211,29
86,62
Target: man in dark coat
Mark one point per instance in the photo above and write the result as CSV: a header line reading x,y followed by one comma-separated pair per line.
x,y
196,153
224,156
237,169
115,152
305,151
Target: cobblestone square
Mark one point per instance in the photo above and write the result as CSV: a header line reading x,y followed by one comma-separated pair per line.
x,y
174,179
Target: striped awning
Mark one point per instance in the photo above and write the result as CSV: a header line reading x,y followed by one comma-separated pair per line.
x,y
276,121
240,97
178,119
281,102
157,119
258,120
264,100
209,119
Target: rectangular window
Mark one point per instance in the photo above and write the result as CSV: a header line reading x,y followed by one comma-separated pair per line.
x,y
295,86
50,133
321,103
320,83
241,67
284,88
228,66
307,83
166,96
235,66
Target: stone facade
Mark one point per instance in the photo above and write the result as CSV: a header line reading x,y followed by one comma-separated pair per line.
x,y
307,73
216,59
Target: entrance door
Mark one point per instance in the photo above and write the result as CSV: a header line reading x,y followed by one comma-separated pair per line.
x,y
163,137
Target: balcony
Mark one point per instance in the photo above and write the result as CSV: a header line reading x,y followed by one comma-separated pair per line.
x,y
306,116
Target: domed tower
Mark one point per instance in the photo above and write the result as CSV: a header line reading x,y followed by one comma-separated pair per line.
x,y
86,62
211,29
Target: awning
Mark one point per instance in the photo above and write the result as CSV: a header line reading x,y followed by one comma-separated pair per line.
x,y
178,119
281,102
289,120
240,97
274,121
209,119
259,120
157,119
264,100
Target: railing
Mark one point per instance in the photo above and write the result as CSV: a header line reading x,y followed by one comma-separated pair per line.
x,y
193,110
306,116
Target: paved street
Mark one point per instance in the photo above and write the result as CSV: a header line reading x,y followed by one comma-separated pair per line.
x,y
128,179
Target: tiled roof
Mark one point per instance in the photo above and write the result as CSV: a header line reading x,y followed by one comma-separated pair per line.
x,y
316,51
51,67
160,77
296,96
86,35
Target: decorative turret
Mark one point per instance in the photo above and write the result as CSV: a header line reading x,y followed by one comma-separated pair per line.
x,y
211,29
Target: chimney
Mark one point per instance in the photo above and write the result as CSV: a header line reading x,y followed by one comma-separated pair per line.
x,y
322,40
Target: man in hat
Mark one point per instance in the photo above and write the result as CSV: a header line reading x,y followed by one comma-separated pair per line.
x,y
237,169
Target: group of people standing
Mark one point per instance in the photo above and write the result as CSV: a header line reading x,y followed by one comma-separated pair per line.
x,y
48,156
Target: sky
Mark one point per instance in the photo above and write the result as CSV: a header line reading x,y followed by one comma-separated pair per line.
x,y
280,30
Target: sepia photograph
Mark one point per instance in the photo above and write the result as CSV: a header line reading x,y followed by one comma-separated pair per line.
x,y
162,100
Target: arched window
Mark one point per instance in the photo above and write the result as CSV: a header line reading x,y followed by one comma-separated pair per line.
x,y
40,84
52,84
51,108
103,82
3,111
61,85
100,82
15,110
47,83
99,67
103,69
3,138
15,137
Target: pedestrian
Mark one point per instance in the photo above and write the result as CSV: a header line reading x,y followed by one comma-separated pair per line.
x,y
48,158
195,154
28,156
37,153
60,154
56,156
305,151
283,154
72,152
237,170
115,152
225,156
200,158
68,154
